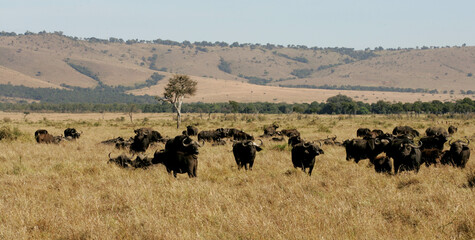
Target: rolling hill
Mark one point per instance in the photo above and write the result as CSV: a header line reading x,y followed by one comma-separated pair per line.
x,y
230,72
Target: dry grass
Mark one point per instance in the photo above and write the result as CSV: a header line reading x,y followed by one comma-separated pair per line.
x,y
68,191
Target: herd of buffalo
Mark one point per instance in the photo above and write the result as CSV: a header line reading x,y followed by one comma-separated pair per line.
x,y
180,154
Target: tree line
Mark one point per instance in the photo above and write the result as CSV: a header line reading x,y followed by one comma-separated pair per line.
x,y
339,104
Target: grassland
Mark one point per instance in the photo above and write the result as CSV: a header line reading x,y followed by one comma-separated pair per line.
x,y
68,191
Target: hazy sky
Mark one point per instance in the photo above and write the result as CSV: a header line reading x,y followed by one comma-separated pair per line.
x,y
338,23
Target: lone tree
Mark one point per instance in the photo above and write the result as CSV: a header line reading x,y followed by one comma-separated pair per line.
x,y
179,86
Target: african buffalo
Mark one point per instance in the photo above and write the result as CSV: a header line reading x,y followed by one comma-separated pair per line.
x,y
191,131
382,164
294,140
42,136
122,160
406,131
361,132
359,149
437,131
452,129
71,132
290,132
405,155
458,155
211,135
241,136
430,156
303,156
270,131
178,162
245,153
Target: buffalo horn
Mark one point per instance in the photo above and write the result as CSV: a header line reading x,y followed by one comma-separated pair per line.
x,y
184,144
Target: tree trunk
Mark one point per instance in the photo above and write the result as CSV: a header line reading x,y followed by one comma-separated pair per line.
x,y
178,111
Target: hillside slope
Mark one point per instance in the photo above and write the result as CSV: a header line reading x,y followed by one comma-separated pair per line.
x,y
47,60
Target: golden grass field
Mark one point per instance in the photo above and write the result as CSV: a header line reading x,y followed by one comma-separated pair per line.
x,y
68,191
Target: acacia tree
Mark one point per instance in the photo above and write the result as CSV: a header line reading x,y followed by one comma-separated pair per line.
x,y
179,86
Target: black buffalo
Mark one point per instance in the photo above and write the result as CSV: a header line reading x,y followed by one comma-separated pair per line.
x,y
241,136
143,138
270,131
122,160
290,132
361,132
191,131
430,156
72,133
42,136
405,154
359,149
382,164
294,140
303,156
433,141
406,131
458,155
437,131
211,135
245,153
452,129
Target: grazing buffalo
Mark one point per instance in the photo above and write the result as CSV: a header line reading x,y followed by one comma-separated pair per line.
x,y
452,129
191,131
359,149
303,156
458,155
361,132
290,132
406,131
241,136
245,153
211,135
436,131
72,133
382,164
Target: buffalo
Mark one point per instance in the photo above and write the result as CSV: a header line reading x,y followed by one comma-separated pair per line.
x,y
191,131
430,156
42,136
211,135
245,153
405,154
361,132
382,164
436,131
303,156
143,138
458,155
122,160
290,132
71,133
406,131
294,140
452,129
359,149
270,131
241,136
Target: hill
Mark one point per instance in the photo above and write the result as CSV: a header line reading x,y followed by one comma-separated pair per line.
x,y
231,71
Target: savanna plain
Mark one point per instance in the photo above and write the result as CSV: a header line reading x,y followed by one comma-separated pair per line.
x,y
69,191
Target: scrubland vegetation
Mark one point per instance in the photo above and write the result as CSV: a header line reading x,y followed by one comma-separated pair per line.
x,y
68,191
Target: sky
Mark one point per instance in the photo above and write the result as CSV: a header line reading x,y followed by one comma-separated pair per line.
x,y
355,24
